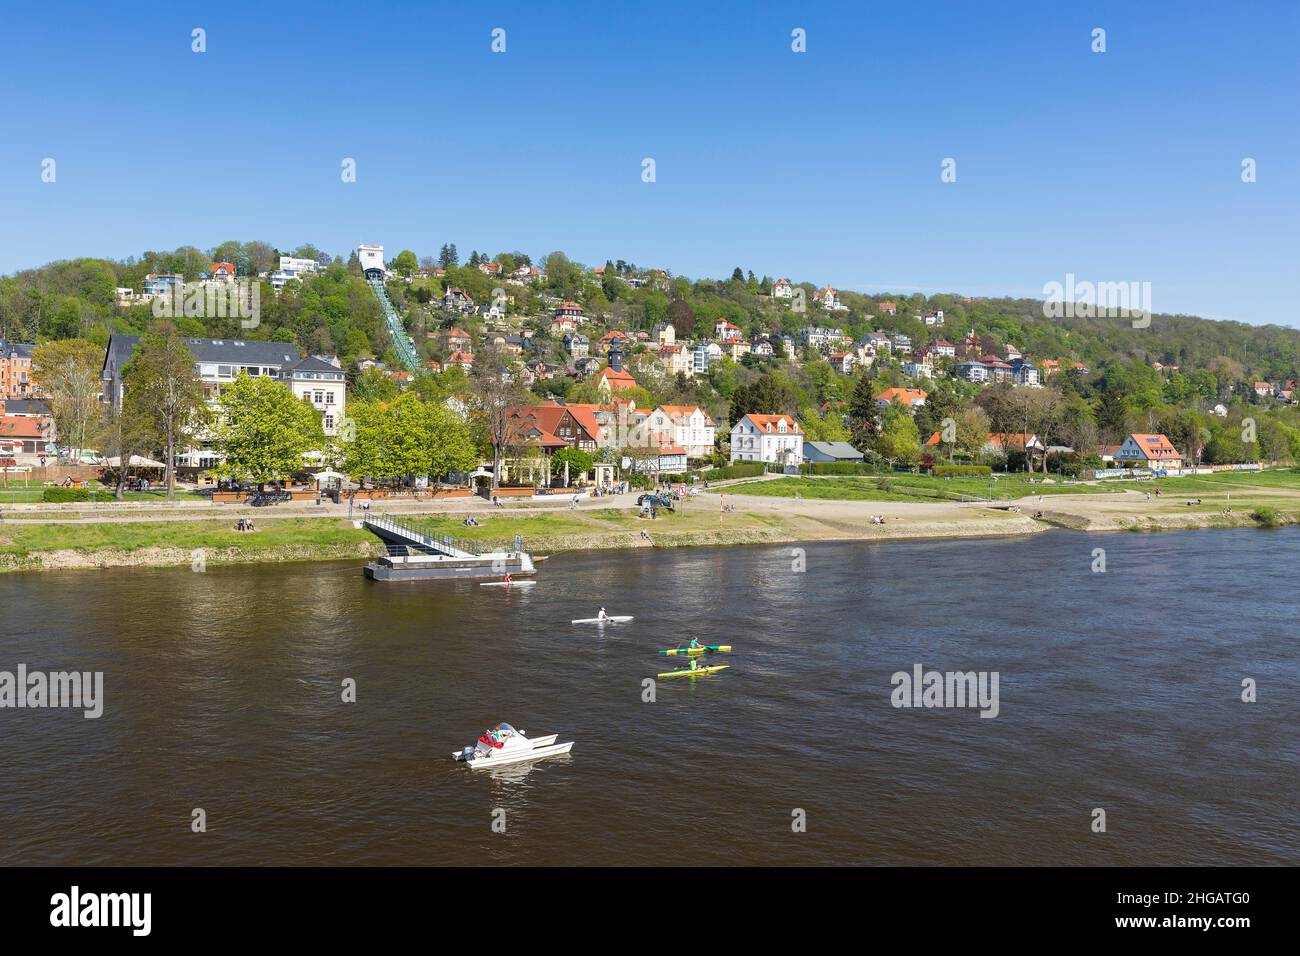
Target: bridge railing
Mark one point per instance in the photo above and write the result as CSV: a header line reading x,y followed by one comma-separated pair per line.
x,y
440,542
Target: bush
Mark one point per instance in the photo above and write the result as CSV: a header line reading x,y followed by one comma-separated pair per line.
x,y
64,495
747,470
1266,517
961,471
838,468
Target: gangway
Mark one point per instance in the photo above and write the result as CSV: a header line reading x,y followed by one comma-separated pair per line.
x,y
395,533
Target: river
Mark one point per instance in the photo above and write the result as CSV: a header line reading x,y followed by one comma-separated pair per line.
x,y
1118,690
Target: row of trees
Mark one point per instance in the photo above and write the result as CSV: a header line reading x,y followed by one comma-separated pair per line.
x,y
261,431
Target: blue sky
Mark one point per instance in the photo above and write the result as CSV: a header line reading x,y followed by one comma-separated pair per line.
x,y
822,166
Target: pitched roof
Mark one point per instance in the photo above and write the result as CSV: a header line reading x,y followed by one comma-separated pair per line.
x,y
680,411
546,419
770,423
616,379
1155,446
835,449
20,426
906,396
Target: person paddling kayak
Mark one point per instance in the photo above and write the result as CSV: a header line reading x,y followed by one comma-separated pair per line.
x,y
602,616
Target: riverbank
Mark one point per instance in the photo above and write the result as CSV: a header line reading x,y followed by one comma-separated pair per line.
x,y
47,544
46,541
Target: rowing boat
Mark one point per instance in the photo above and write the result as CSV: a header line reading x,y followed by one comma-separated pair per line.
x,y
603,620
696,651
507,584
697,672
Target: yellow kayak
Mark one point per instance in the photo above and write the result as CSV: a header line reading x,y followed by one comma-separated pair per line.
x,y
695,651
697,672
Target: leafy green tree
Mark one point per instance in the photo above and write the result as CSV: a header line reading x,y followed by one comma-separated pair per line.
x,y
167,388
406,263
772,393
579,461
263,431
899,441
68,372
406,437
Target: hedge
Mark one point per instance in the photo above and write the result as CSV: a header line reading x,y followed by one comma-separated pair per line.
x,y
840,468
748,470
62,495
961,471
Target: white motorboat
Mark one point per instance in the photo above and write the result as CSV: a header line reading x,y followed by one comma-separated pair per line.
x,y
504,745
603,620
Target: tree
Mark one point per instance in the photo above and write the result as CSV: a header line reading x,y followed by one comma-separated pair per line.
x,y
126,431
772,393
263,430
169,392
899,439
972,426
862,406
579,461
448,258
406,437
406,263
68,372
494,393
682,317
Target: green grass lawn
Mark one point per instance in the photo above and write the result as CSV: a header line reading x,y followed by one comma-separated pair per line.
x,y
1283,479
21,539
16,494
908,488
501,527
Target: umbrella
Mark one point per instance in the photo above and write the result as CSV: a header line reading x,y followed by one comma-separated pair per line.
x,y
328,474
136,461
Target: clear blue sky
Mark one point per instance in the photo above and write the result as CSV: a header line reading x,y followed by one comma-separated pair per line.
x,y
822,166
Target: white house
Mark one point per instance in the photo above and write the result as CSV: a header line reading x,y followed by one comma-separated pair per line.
x,y
829,300
918,370
782,289
775,438
295,264
683,426
323,384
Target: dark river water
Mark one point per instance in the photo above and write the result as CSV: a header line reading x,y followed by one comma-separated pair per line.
x,y
1118,690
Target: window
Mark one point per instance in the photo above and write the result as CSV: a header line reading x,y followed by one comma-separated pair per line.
x,y
329,421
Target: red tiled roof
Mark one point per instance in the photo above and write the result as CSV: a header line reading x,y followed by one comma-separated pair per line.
x,y
1155,446
906,396
770,423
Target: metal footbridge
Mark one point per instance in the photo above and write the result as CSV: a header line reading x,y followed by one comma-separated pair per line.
x,y
405,539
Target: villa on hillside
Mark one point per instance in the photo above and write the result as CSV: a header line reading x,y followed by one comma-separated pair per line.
x,y
774,438
911,398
